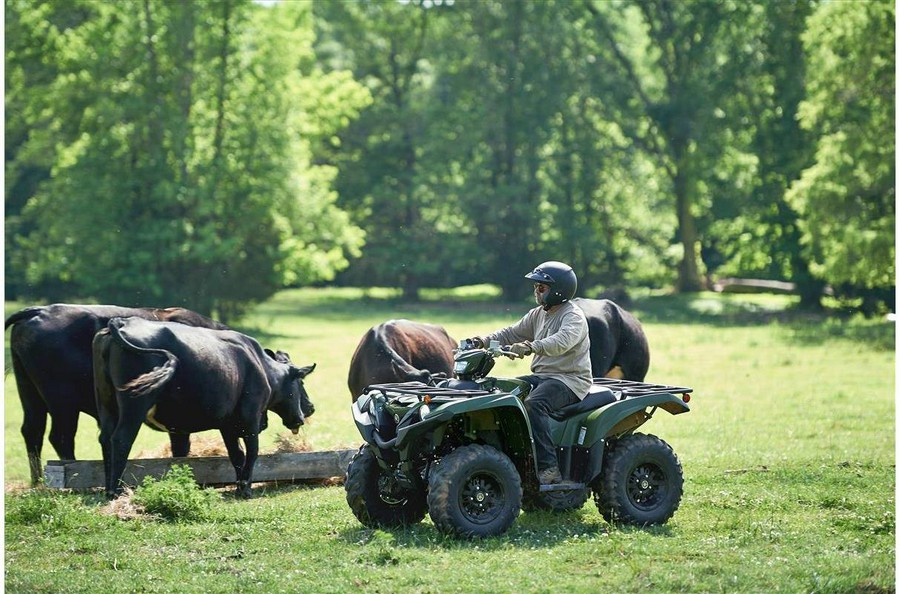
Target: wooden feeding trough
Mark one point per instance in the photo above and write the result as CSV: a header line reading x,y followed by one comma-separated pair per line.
x,y
208,470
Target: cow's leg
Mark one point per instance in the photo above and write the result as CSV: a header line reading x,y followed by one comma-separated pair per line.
x,y
181,444
615,373
131,415
235,455
251,442
63,425
34,419
107,420
34,423
603,352
120,447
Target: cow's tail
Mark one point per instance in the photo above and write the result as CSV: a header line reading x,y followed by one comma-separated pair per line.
x,y
152,380
22,315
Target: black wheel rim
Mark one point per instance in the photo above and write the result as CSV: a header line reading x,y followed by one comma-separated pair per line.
x,y
646,486
481,498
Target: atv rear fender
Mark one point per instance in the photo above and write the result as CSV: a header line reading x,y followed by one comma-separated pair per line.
x,y
621,418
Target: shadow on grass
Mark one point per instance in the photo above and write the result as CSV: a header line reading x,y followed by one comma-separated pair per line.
x,y
731,311
532,530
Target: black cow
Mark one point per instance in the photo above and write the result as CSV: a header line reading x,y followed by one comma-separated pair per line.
x,y
400,351
619,346
51,358
181,379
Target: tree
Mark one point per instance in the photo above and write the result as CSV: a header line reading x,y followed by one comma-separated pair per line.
x,y
670,65
846,199
181,164
752,229
502,96
383,166
607,216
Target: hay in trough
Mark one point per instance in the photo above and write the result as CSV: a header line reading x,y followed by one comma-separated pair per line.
x,y
211,445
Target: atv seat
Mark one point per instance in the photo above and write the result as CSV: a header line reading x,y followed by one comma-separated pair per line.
x,y
597,396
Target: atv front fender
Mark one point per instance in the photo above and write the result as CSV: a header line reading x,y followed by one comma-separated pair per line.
x,y
619,418
443,413
363,419
501,413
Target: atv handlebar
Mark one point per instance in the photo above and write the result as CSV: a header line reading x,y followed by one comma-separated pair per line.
x,y
493,348
507,353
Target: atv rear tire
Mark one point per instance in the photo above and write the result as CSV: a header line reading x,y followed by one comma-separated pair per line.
x,y
474,492
641,482
371,499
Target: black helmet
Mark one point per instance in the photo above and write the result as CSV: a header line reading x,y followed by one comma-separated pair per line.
x,y
560,277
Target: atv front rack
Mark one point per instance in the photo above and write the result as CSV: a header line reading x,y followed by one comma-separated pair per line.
x,y
630,389
421,390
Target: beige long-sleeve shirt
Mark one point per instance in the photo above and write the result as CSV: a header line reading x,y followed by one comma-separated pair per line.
x,y
560,342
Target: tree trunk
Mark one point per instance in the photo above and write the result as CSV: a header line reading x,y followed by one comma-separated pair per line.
x,y
689,280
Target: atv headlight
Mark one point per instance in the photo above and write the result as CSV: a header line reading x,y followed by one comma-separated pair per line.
x,y
460,366
424,411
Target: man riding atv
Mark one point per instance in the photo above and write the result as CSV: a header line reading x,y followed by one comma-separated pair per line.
x,y
556,332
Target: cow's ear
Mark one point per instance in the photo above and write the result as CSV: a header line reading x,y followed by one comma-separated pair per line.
x,y
302,372
271,353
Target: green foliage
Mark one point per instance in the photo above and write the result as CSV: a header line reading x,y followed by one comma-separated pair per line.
x,y
677,67
45,509
175,153
175,496
847,197
182,164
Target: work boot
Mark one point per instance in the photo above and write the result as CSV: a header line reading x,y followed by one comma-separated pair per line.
x,y
550,476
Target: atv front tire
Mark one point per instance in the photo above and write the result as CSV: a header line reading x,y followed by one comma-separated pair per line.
x,y
641,482
474,492
374,499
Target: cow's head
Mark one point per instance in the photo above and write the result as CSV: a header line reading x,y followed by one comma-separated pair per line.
x,y
291,401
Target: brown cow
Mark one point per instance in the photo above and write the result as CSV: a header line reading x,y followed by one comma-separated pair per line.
x,y
619,346
400,351
51,357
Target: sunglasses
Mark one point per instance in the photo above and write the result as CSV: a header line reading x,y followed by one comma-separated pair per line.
x,y
541,288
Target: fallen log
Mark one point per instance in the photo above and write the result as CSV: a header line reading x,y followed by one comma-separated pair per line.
x,y
752,285
208,471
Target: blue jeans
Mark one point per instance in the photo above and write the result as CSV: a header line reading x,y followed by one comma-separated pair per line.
x,y
546,395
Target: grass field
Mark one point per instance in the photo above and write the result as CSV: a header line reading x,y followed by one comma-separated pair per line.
x,y
788,455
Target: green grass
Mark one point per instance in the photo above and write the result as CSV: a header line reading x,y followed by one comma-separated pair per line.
x,y
788,456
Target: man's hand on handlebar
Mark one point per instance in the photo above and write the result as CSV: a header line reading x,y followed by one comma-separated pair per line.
x,y
521,349
477,342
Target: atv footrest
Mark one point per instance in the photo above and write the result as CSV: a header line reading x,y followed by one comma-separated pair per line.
x,y
562,487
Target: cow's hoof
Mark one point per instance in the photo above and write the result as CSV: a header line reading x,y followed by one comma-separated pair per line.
x,y
244,491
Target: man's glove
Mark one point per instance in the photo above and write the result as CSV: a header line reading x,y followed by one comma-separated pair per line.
x,y
523,349
477,342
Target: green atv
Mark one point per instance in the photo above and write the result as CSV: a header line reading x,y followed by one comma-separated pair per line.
x,y
461,449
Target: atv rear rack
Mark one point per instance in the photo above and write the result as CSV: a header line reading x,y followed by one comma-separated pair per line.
x,y
630,389
420,389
